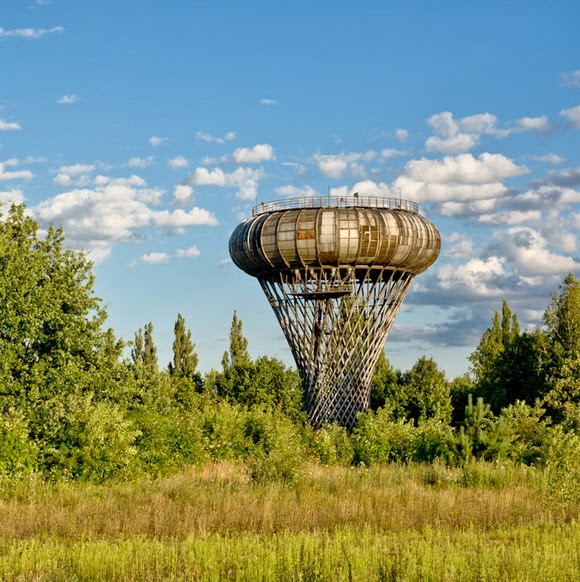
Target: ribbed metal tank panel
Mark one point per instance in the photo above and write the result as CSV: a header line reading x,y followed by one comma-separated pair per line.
x,y
323,237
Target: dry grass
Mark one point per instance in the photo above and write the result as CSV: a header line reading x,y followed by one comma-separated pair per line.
x,y
220,499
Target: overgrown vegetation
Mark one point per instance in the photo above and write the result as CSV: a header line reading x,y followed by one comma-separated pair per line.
x,y
76,414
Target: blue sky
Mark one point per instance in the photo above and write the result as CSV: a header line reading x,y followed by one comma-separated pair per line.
x,y
150,128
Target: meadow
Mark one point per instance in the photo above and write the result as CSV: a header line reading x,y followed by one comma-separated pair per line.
x,y
393,522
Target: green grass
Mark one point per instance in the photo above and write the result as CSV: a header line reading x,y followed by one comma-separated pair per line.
x,y
483,522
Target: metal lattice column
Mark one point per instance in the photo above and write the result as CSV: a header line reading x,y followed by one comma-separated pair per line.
x,y
336,322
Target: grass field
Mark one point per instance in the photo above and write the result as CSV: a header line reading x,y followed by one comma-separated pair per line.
x,y
482,522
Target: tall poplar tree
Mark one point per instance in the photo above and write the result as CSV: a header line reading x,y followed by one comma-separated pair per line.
x,y
238,353
185,359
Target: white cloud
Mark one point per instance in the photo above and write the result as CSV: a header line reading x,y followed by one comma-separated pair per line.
x,y
512,218
178,162
335,165
454,136
266,101
534,123
458,245
478,277
30,33
9,125
401,134
245,180
392,153
155,140
152,258
141,162
549,158
6,176
572,115
115,210
456,144
204,136
571,79
9,197
182,194
296,192
529,252
457,178
364,188
75,175
68,99
259,153
190,253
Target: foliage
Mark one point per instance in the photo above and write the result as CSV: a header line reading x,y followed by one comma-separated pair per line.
x,y
237,355
482,435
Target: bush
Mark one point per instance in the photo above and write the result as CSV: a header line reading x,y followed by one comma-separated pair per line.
x,y
18,453
331,445
380,439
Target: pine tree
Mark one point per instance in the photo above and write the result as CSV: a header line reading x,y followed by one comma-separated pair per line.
x,y
185,359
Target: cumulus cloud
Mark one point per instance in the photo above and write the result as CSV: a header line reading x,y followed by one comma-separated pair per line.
x,y
296,192
189,253
152,258
571,79
30,33
259,153
534,123
68,99
457,178
9,125
513,217
9,197
477,278
572,115
549,158
204,136
455,136
6,176
182,195
75,175
528,250
458,245
335,165
244,180
401,134
178,162
115,210
141,162
155,140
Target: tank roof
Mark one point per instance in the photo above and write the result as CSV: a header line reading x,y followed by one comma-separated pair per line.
x,y
336,202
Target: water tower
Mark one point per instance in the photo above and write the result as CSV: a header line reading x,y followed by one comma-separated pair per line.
x,y
335,271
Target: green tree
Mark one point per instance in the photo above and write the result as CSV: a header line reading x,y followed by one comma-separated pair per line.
x,y
386,389
149,349
562,319
50,318
427,391
238,351
506,364
185,359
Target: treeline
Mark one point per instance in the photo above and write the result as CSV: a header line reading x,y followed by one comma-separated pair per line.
x,y
72,406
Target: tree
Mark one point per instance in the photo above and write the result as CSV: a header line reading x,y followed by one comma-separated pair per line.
x,y
144,352
562,319
505,364
184,357
238,352
428,392
386,388
50,319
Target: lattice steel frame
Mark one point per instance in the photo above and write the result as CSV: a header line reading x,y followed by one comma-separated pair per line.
x,y
336,321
